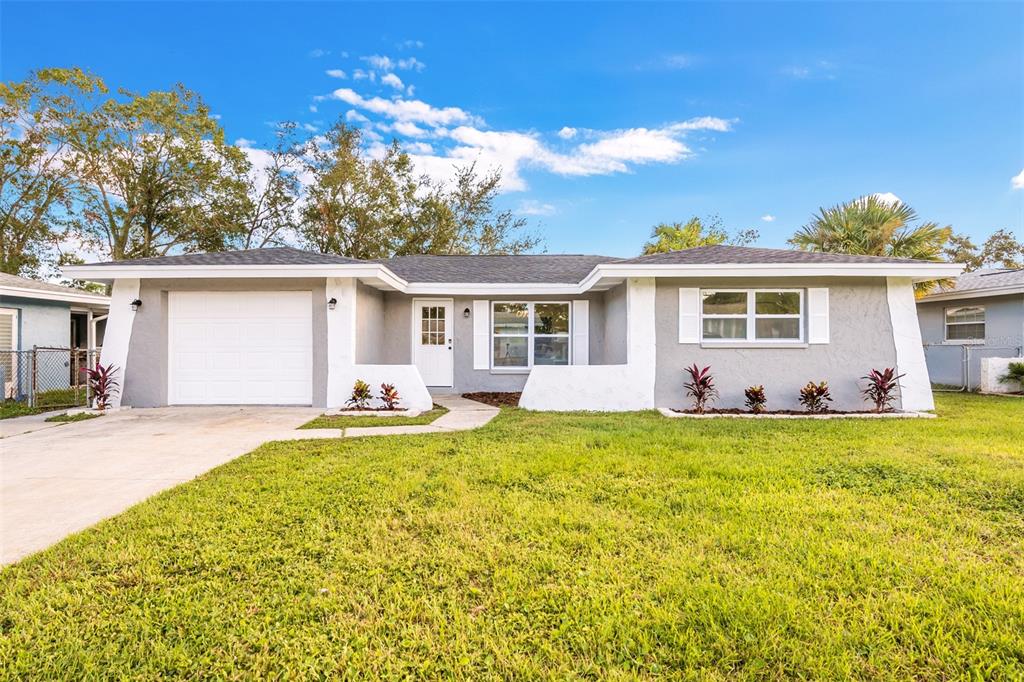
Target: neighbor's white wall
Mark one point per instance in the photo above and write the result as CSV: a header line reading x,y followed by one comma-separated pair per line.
x,y
991,370
915,386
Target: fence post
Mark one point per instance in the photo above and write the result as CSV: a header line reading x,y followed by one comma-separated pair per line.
x,y
32,384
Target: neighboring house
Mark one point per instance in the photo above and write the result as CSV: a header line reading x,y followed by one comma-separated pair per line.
x,y
283,326
982,316
39,314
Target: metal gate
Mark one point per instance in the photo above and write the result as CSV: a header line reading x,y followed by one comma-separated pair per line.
x,y
45,378
957,367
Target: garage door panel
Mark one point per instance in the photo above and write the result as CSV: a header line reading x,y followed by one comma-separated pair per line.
x,y
240,347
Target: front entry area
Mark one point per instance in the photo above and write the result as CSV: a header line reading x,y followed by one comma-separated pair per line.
x,y
432,333
240,348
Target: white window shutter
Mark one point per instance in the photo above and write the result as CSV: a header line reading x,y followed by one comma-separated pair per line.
x,y
581,332
689,315
817,316
481,335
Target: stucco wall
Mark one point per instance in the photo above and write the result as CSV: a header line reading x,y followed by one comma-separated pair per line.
x,y
43,323
615,336
146,382
369,325
1004,332
861,339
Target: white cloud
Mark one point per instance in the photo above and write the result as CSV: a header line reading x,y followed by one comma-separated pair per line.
x,y
411,63
387,64
318,53
419,148
393,80
819,70
312,108
567,133
1018,180
678,61
360,74
244,142
887,198
408,129
309,127
404,109
379,62
719,125
353,116
534,207
768,218
336,73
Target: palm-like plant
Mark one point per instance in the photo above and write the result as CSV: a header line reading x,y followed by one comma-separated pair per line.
x,y
872,226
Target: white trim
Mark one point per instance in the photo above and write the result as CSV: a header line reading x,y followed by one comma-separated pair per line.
x,y
618,271
689,315
752,316
973,293
915,387
341,338
71,296
818,329
481,334
15,315
579,325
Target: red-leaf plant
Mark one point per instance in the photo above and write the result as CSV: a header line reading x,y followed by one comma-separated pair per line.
x,y
361,395
389,396
814,396
102,384
755,398
881,388
701,387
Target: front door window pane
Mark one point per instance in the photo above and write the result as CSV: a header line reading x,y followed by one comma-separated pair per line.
x,y
432,326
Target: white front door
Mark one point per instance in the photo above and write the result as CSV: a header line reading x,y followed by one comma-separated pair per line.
x,y
432,331
240,347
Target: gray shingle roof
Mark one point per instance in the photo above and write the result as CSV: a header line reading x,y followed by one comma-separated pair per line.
x,y
273,256
724,254
979,280
7,280
535,269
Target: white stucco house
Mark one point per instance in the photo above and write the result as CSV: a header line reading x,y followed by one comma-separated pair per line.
x,y
572,332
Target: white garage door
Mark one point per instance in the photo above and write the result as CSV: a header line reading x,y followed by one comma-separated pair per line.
x,y
240,347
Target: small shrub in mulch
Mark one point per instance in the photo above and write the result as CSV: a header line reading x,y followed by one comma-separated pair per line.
x,y
497,399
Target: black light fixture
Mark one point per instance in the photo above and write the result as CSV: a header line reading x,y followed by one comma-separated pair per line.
x,y
465,313
136,304
332,304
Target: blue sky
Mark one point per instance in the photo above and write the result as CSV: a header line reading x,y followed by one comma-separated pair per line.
x,y
607,118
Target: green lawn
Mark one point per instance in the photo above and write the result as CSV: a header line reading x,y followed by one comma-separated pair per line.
x,y
337,421
45,400
559,546
9,409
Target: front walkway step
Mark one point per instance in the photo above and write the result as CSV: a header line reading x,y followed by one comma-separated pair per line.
x,y
463,414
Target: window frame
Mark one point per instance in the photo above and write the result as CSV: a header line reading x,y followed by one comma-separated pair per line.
x,y
946,325
751,316
530,335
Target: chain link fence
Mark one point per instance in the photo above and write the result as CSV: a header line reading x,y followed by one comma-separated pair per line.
x,y
44,378
957,367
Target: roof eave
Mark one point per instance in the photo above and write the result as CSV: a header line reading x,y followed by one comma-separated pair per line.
x,y
974,293
67,297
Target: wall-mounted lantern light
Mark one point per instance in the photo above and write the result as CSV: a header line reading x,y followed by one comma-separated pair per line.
x,y
136,304
465,313
332,304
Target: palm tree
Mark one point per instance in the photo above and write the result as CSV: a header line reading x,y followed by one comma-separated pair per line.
x,y
667,237
872,226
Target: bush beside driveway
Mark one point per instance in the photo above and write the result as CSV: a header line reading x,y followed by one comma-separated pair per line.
x,y
559,545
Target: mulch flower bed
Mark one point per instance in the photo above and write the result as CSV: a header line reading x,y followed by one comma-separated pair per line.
x,y
497,399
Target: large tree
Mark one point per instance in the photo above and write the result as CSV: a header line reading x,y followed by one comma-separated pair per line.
x,y
376,206
268,212
873,226
37,118
667,237
155,176
1000,250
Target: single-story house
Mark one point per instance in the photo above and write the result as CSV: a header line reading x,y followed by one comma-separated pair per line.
x,y
44,315
572,332
981,316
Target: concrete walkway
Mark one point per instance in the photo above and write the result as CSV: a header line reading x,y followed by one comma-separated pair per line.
x,y
463,414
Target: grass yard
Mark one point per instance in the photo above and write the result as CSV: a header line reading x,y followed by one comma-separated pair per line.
x,y
559,546
9,409
337,421
67,418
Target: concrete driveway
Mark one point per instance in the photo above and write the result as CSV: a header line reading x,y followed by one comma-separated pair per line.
x,y
59,479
